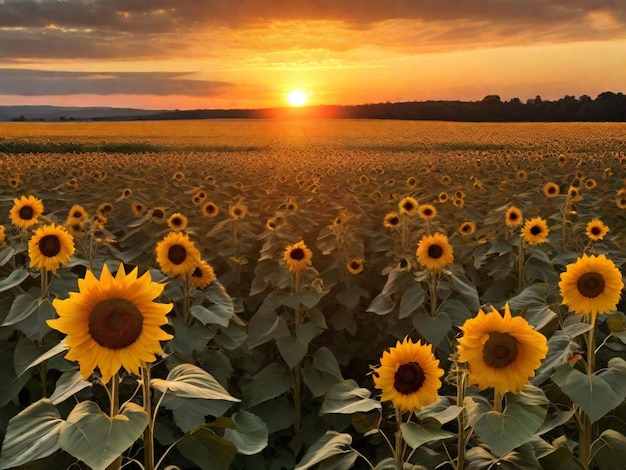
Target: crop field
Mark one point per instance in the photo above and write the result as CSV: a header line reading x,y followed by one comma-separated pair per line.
x,y
338,295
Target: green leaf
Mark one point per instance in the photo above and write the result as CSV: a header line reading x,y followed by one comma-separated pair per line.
x,y
270,382
221,310
207,450
560,349
190,381
467,291
58,349
411,300
381,305
433,329
13,279
329,445
23,306
519,421
97,439
69,383
609,449
366,423
441,411
323,373
250,435
416,435
598,394
346,398
32,434
11,383
291,350
191,413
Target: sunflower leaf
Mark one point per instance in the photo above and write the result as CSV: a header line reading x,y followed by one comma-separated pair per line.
x,y
207,450
329,445
346,397
411,299
608,449
272,381
69,383
416,435
31,434
190,381
13,279
23,306
250,434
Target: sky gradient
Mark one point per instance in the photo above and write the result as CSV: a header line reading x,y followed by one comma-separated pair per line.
x,y
187,54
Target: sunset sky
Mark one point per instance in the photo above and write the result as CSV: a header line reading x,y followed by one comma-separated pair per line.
x,y
186,54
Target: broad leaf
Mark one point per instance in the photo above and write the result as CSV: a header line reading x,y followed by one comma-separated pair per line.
x,y
609,449
13,279
433,329
270,382
32,434
250,435
416,435
190,381
97,439
68,384
329,445
346,398
411,300
23,306
207,450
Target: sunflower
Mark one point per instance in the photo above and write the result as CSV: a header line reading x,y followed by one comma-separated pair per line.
x,y
445,180
210,209
391,220
14,182
620,201
408,205
202,275
561,160
522,175
105,209
458,202
3,235
573,194
591,285
434,252
502,352
291,206
99,221
199,197
355,266
427,212
126,192
551,189
443,197
535,231
364,179
513,217
50,247
76,214
112,322
237,211
138,208
25,211
408,375
177,221
590,183
76,230
298,257
157,214
273,223
177,254
411,181
178,176
596,230
467,228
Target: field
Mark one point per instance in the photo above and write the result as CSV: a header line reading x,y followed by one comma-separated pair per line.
x,y
270,364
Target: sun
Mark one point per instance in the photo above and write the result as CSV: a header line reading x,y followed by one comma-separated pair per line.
x,y
297,98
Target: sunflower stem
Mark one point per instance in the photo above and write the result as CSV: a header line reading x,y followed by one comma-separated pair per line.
x,y
148,437
115,409
497,401
432,284
405,233
399,450
297,388
460,399
186,298
44,283
520,267
586,434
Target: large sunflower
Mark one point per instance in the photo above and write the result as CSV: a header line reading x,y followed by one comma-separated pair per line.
x,y
297,256
535,231
408,205
50,247
591,285
25,211
434,252
177,254
513,217
202,275
596,230
112,322
408,375
502,352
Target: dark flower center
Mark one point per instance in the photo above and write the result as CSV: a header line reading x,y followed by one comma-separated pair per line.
x,y
197,272
500,350
237,211
158,213
26,213
428,212
394,221
466,228
551,190
177,254
210,209
408,206
177,221
595,231
355,265
535,230
409,378
50,246
77,214
435,251
590,284
115,323
297,254
513,216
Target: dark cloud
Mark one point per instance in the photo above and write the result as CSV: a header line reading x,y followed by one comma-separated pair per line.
x,y
24,82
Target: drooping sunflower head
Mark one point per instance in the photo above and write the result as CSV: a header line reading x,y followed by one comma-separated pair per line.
x,y
535,231
355,266
177,254
50,247
551,189
591,285
273,223
297,257
138,208
391,220
427,211
502,352
434,252
25,211
177,221
237,211
573,194
408,205
513,217
467,228
112,322
203,275
596,230
210,209
408,375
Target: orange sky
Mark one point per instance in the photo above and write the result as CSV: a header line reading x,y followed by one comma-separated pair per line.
x,y
185,54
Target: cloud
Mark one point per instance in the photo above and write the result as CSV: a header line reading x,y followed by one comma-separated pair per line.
x,y
26,82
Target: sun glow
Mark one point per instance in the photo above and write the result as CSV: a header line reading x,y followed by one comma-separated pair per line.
x,y
297,98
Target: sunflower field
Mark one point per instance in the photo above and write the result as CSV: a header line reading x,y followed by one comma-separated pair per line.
x,y
312,294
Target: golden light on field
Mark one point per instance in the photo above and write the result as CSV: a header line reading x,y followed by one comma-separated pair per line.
x,y
297,98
